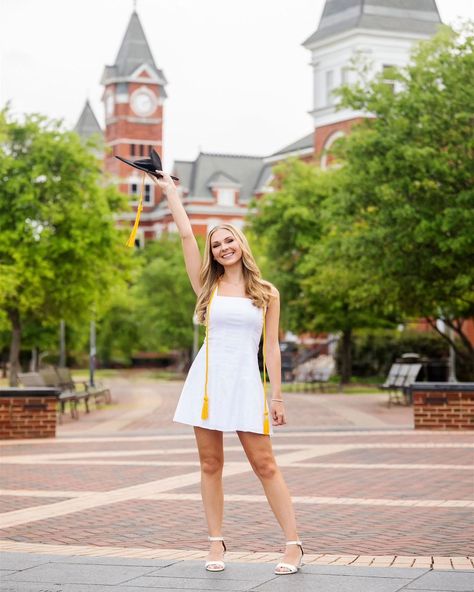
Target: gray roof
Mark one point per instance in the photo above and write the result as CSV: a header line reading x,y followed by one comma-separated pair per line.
x,y
198,174
407,16
134,52
264,177
301,144
87,124
183,169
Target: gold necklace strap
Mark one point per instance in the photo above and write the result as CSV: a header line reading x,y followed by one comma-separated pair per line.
x,y
266,421
205,404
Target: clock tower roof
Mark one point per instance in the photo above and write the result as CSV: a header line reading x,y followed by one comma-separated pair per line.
x,y
420,17
134,52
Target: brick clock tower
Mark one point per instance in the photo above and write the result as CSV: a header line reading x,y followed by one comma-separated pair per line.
x,y
134,93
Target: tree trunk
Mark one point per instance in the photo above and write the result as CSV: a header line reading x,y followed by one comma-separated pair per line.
x,y
15,345
346,356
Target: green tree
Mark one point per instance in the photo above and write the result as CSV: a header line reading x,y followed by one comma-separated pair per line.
x,y
407,203
60,253
164,298
306,258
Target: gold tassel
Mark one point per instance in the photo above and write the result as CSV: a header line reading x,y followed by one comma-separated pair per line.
x,y
266,421
205,405
133,234
205,408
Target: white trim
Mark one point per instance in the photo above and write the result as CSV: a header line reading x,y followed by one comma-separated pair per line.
x,y
134,119
225,185
285,155
144,67
134,141
329,142
330,40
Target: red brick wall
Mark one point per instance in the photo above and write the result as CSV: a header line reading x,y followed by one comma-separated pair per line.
x,y
444,410
321,134
27,417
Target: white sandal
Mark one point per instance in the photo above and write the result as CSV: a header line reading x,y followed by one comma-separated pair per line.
x,y
220,565
291,568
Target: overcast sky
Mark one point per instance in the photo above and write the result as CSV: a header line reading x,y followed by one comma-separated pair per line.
x,y
239,79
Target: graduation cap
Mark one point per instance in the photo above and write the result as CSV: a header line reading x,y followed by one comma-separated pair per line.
x,y
153,167
148,165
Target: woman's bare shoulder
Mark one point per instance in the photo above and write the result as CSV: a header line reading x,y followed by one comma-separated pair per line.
x,y
274,290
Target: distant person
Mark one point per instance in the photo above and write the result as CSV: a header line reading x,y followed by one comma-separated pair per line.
x,y
223,391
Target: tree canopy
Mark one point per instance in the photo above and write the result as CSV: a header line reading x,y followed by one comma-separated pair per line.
x,y
60,252
388,235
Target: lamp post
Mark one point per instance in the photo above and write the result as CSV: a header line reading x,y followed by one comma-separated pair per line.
x,y
62,344
92,353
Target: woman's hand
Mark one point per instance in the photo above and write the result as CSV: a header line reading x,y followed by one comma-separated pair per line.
x,y
165,181
278,413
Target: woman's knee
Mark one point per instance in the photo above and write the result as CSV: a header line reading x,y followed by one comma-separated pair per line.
x,y
211,465
265,468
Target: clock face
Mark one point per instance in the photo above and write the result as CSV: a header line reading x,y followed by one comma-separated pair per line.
x,y
143,103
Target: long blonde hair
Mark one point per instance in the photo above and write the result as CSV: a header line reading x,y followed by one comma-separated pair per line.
x,y
259,290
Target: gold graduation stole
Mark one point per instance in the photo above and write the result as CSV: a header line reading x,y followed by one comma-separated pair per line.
x,y
205,405
133,234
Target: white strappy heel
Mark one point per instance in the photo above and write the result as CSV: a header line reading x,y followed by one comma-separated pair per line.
x,y
220,565
290,567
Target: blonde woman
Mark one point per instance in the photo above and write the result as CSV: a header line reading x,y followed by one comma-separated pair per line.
x,y
223,391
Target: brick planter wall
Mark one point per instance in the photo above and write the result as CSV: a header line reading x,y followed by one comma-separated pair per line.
x,y
28,413
439,406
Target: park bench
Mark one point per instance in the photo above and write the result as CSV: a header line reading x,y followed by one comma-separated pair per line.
x,y
315,371
398,382
35,379
100,393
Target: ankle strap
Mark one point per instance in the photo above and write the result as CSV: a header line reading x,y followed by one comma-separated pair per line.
x,y
216,538
293,543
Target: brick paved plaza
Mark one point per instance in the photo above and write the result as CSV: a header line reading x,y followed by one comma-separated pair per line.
x,y
124,482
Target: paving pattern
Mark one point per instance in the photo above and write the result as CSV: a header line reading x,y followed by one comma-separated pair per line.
x,y
379,494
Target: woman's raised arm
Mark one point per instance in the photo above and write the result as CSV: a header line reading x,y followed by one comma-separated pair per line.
x,y
192,255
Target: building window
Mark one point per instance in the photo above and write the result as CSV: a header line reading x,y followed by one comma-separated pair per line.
x,y
345,75
148,195
226,197
329,87
387,74
132,149
133,191
142,150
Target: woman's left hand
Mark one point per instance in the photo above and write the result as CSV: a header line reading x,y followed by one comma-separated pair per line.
x,y
278,413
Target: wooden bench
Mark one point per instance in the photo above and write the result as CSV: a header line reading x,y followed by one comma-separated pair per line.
x,y
315,371
398,382
100,393
35,379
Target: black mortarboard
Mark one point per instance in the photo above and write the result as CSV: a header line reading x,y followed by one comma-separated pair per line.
x,y
148,165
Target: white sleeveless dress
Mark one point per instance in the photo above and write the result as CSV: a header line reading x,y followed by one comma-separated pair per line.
x,y
235,389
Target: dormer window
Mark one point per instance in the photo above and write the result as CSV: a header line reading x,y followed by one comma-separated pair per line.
x,y
225,196
225,189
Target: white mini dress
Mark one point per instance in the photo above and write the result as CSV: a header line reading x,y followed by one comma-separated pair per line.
x,y
236,399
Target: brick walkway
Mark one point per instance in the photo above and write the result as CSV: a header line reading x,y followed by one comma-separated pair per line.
x,y
124,481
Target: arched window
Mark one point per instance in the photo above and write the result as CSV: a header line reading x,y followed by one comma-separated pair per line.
x,y
327,161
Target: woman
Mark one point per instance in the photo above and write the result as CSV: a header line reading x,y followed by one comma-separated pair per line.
x,y
223,390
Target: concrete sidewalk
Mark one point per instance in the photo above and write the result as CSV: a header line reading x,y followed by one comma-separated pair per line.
x,y
41,573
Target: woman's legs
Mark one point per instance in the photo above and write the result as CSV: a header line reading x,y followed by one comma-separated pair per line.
x,y
258,448
211,456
